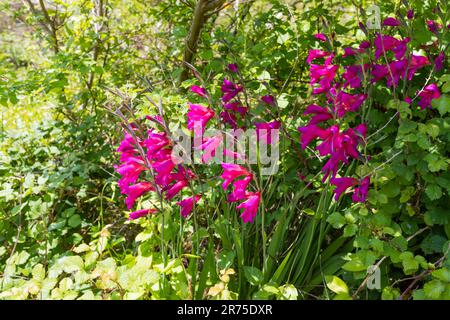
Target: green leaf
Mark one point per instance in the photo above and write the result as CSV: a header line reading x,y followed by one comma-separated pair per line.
x,y
437,215
434,289
74,221
433,191
354,265
442,274
38,272
433,243
282,101
410,265
442,104
336,220
432,130
71,264
406,194
406,126
350,230
264,76
423,142
435,162
391,189
336,284
22,257
253,275
389,293
225,260
288,292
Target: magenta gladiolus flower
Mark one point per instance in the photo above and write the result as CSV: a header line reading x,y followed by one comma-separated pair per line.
x,y
187,205
209,145
391,22
198,115
388,43
350,140
364,44
199,91
173,190
331,141
229,118
140,213
135,191
236,107
348,51
433,26
164,166
309,133
397,71
348,102
417,62
439,61
269,99
332,165
352,76
321,37
323,76
264,131
342,184
321,114
233,67
127,145
429,93
410,14
250,207
239,189
360,193
317,54
361,129
157,119
232,155
230,90
155,142
232,171
130,172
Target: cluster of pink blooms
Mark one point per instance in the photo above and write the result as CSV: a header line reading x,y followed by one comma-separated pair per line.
x,y
342,145
169,178
154,155
233,174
